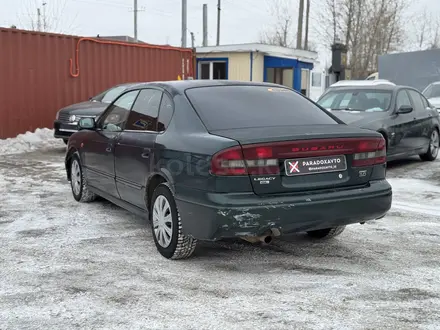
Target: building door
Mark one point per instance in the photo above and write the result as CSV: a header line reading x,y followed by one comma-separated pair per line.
x,y
305,82
280,76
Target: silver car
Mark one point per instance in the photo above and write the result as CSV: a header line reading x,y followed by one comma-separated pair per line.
x,y
432,93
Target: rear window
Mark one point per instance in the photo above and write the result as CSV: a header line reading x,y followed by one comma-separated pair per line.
x,y
228,107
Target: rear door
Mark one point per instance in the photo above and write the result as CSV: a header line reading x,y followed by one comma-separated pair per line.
x,y
134,152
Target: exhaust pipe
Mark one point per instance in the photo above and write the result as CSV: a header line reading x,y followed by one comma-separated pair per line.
x,y
265,239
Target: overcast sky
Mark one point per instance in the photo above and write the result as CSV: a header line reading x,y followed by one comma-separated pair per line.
x,y
160,20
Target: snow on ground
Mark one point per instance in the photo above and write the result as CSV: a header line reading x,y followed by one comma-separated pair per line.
x,y
42,138
68,265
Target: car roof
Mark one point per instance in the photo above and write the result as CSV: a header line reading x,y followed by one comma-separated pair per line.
x,y
381,84
179,86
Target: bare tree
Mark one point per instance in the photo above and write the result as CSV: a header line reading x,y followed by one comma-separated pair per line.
x,y
281,33
424,31
45,15
368,27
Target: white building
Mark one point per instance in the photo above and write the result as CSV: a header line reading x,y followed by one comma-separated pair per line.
x,y
294,68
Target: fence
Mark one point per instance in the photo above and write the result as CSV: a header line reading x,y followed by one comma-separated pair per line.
x,y
41,73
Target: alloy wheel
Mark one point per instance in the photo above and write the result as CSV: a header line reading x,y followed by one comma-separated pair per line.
x,y
162,221
76,177
434,144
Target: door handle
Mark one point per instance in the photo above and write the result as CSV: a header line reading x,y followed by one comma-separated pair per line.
x,y
146,153
108,149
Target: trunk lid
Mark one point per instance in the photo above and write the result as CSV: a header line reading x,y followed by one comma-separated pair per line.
x,y
304,159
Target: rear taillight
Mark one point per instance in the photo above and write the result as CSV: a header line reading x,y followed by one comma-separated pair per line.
x,y
264,159
370,152
243,161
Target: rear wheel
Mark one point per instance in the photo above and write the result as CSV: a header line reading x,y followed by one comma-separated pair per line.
x,y
167,226
78,182
326,233
432,152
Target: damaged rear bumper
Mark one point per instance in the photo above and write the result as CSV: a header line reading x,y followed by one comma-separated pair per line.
x,y
210,216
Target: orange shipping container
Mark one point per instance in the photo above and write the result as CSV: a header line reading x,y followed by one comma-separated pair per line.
x,y
41,73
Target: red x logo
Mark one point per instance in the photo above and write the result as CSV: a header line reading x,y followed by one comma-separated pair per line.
x,y
293,167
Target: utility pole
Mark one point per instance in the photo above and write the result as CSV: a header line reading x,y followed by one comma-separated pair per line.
x,y
193,40
300,24
135,11
219,8
44,17
184,22
306,38
205,25
38,19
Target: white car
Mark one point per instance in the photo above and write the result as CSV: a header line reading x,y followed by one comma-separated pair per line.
x,y
432,93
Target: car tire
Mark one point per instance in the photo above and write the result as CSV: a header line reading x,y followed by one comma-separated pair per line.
x,y
326,233
78,182
433,148
168,236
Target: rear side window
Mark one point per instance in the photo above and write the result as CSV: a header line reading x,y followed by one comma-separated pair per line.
x,y
227,107
165,113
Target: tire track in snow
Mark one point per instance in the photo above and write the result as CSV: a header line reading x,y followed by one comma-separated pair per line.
x,y
417,208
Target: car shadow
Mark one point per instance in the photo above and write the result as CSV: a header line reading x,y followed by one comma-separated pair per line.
x,y
403,162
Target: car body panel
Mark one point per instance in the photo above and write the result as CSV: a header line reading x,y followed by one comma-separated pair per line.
x,y
98,157
134,159
119,166
230,215
269,184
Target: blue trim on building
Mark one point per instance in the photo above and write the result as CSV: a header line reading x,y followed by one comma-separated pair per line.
x,y
279,62
273,62
212,59
252,64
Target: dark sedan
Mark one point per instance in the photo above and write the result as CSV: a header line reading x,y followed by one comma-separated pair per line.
x,y
208,160
66,121
409,124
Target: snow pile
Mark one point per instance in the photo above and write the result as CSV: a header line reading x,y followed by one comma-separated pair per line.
x,y
42,138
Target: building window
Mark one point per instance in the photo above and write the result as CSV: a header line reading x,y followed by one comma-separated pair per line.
x,y
204,70
219,70
316,79
212,70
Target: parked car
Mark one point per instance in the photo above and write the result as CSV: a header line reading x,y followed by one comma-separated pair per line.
x,y
209,160
409,124
66,120
432,93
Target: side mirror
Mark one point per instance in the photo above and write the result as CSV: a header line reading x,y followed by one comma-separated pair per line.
x,y
86,123
404,109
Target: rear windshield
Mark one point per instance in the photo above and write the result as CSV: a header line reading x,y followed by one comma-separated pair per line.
x,y
368,100
228,107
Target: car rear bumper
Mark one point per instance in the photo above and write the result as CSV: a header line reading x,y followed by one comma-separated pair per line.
x,y
209,216
63,130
